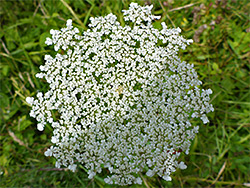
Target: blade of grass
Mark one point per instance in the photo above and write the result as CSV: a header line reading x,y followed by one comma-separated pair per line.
x,y
243,139
81,182
73,13
165,12
12,58
185,6
219,174
87,15
29,61
211,181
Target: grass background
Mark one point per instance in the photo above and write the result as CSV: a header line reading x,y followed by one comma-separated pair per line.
x,y
220,153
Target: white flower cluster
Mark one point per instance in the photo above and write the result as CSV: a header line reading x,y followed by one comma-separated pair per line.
x,y
120,98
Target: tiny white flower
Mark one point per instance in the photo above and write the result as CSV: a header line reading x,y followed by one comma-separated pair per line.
x,y
138,181
39,95
72,167
167,178
69,23
54,139
40,126
108,180
48,153
57,165
49,41
30,100
91,175
39,75
204,119
182,165
209,91
150,173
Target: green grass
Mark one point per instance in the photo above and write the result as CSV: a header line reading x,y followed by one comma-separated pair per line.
x,y
220,153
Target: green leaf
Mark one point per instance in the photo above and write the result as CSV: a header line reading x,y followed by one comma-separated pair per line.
x,y
30,45
10,45
242,168
228,84
4,100
24,123
215,66
3,160
13,111
92,2
55,14
157,25
30,138
5,70
36,58
241,73
42,39
43,137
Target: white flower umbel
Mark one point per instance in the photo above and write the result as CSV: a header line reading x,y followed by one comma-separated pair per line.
x,y
120,97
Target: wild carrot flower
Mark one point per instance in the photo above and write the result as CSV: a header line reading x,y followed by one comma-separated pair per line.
x,y
120,98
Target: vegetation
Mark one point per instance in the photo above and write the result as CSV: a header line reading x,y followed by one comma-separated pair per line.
x,y
220,153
